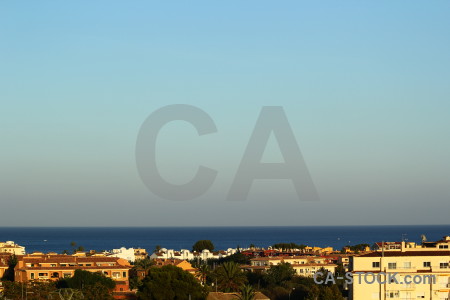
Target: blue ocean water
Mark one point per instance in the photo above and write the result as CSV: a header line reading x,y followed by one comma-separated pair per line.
x,y
106,238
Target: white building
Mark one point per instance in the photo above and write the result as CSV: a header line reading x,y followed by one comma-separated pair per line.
x,y
128,254
11,247
185,254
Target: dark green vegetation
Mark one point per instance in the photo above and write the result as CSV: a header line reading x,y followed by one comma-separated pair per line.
x,y
170,282
199,246
85,284
288,246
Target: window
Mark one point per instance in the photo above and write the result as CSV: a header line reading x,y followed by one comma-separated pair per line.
x,y
443,246
407,265
420,295
67,275
375,264
32,275
443,265
43,274
392,266
392,294
427,264
124,274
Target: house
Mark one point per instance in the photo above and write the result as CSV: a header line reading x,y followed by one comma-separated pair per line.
x,y
183,264
303,265
53,267
185,254
12,248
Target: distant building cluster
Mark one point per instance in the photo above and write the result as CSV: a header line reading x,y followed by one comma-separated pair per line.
x,y
188,255
406,259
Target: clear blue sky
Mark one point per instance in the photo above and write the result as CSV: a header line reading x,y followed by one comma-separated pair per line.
x,y
365,86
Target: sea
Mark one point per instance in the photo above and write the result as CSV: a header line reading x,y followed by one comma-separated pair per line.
x,y
58,239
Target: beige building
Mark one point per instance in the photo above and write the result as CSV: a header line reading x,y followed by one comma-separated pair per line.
x,y
11,248
419,274
303,265
53,267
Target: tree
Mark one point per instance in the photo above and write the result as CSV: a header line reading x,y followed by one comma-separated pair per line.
x,y
34,290
203,272
230,277
9,273
280,273
247,293
144,264
157,248
170,283
139,265
201,245
93,285
288,246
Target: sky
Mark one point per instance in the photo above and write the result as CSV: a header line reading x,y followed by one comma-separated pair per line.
x,y
364,86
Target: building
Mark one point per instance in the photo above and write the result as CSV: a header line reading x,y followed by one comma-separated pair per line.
x,y
303,265
12,248
185,254
53,267
182,264
421,273
130,254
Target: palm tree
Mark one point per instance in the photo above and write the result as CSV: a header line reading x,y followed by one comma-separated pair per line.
x,y
230,277
247,293
202,272
144,264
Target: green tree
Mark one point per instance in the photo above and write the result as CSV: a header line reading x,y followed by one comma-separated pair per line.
x,y
9,273
144,264
157,248
247,293
32,291
139,265
280,274
92,285
229,277
170,283
203,271
199,246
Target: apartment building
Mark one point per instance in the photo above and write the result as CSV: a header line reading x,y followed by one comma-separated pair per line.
x,y
53,267
303,265
401,273
11,248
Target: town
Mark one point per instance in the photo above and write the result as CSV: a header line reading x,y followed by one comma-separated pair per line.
x,y
280,271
